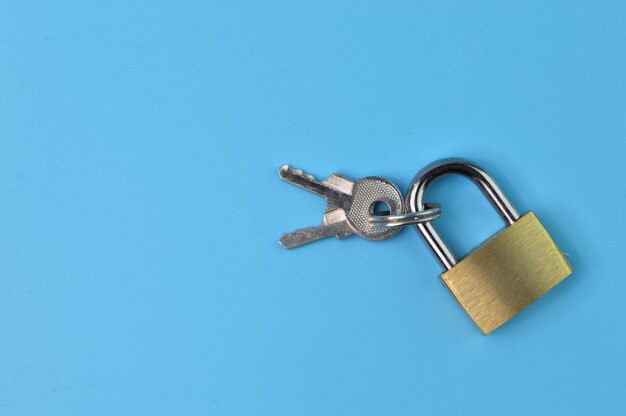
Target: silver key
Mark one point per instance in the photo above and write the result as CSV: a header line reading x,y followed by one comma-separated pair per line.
x,y
337,190
350,206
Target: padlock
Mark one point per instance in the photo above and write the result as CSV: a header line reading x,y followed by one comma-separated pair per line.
x,y
506,273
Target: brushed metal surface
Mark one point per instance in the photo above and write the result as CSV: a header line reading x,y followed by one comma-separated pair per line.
x,y
507,273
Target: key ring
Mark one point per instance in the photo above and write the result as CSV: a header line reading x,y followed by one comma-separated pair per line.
x,y
431,213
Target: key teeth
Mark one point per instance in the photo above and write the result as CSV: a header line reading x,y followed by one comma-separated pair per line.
x,y
299,172
310,234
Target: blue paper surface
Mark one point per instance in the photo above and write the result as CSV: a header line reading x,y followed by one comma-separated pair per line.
x,y
140,205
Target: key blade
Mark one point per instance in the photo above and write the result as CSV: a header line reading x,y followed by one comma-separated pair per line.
x,y
333,189
334,224
308,235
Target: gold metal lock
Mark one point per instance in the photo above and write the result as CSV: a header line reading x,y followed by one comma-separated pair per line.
x,y
507,272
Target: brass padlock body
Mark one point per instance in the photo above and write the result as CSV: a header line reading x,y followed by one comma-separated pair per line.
x,y
507,273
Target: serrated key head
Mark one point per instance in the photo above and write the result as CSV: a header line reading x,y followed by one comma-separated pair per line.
x,y
365,194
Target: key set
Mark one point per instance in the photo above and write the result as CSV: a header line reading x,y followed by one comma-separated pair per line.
x,y
351,208
493,283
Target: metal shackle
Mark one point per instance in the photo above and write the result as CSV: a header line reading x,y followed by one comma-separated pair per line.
x,y
421,182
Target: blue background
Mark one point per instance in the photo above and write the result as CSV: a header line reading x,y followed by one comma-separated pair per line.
x,y
140,205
